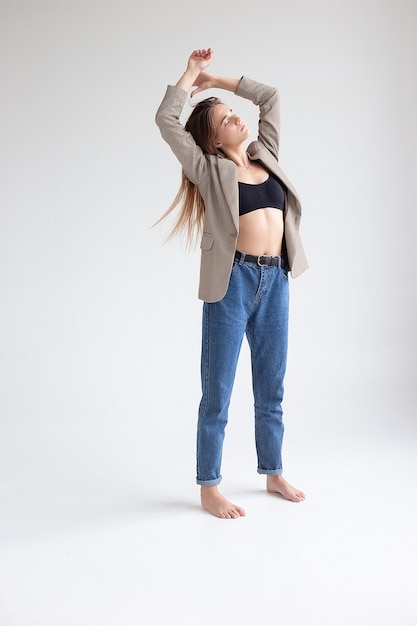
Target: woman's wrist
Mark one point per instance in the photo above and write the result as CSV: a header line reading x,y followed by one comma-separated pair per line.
x,y
187,79
228,84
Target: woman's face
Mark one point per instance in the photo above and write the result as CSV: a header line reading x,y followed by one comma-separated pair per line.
x,y
231,131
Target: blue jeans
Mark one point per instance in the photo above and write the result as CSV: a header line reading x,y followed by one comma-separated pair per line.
x,y
256,303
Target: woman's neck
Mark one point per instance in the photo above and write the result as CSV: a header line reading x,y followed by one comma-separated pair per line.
x,y
239,157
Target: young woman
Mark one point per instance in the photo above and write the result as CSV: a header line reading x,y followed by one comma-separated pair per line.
x,y
248,213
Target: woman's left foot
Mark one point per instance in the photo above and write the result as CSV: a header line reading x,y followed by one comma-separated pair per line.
x,y
278,484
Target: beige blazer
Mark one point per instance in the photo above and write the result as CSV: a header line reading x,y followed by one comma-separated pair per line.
x,y
217,180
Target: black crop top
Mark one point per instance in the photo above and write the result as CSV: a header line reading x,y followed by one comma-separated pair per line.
x,y
267,194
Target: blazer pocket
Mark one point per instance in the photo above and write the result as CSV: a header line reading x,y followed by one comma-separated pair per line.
x,y
207,241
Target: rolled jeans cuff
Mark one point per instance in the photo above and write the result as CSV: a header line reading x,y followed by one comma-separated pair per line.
x,y
277,472
209,483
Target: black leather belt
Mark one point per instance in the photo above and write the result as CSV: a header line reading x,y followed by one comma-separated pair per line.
x,y
262,260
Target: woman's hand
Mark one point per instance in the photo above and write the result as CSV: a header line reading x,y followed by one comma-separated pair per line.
x,y
200,59
194,75
197,62
203,81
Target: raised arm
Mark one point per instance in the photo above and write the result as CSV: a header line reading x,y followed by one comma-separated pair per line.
x,y
267,99
212,81
195,76
168,115
198,61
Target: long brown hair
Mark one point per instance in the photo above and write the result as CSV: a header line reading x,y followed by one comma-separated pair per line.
x,y
201,126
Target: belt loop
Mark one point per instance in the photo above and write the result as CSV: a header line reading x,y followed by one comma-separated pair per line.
x,y
242,258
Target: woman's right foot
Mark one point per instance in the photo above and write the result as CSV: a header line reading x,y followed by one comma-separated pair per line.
x,y
215,504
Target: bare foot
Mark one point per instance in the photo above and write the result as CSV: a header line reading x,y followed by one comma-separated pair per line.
x,y
214,503
278,484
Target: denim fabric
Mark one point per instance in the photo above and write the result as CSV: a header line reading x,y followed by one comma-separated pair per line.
x,y
256,303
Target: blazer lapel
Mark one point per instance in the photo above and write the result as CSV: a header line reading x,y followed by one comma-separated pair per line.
x,y
257,151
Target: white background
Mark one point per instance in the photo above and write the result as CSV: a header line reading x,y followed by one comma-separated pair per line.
x,y
100,322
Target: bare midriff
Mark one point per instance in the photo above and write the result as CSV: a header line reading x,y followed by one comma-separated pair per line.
x,y
260,232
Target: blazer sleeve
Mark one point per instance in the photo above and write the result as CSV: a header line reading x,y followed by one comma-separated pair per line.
x,y
267,99
181,142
